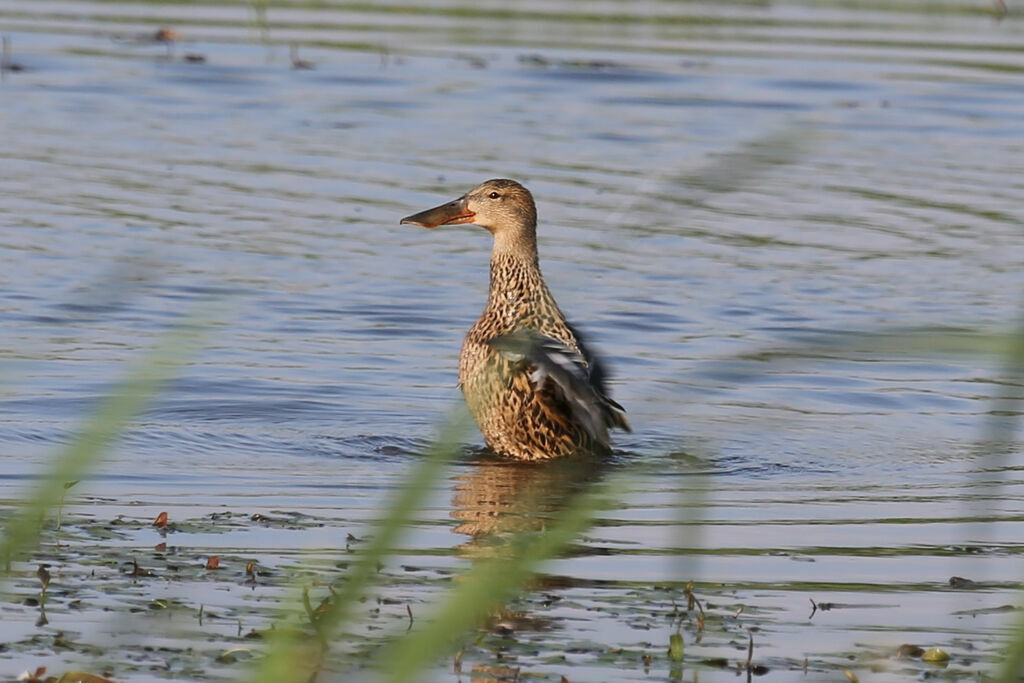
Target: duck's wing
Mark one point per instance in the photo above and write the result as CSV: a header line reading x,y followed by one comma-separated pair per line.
x,y
569,373
598,374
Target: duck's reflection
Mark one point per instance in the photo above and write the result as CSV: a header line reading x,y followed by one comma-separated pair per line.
x,y
496,499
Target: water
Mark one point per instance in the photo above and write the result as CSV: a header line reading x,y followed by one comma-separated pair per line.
x,y
715,181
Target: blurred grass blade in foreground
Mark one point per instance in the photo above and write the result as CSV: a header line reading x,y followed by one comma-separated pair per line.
x,y
289,657
1005,424
112,417
491,584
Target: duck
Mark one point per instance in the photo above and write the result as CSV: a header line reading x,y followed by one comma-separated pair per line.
x,y
531,384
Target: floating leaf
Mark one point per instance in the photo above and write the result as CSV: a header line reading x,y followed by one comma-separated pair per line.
x,y
139,571
908,650
231,656
82,677
30,677
675,647
935,655
161,520
44,575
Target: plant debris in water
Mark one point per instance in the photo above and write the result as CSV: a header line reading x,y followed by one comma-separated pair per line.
x,y
174,611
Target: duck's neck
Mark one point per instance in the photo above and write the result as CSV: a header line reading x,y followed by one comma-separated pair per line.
x,y
515,270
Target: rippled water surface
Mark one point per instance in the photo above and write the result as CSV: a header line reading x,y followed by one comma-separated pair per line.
x,y
736,200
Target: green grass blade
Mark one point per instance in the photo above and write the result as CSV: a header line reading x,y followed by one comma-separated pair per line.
x,y
288,659
488,585
114,414
1008,403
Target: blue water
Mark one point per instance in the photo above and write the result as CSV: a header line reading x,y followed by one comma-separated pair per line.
x,y
736,202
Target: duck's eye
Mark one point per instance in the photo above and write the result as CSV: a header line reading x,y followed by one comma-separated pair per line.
x,y
494,195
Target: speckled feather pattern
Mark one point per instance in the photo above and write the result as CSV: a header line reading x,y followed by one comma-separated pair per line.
x,y
515,419
522,415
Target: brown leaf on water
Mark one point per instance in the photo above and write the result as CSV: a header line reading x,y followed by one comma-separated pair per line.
x,y
907,650
166,34
497,673
44,575
160,547
250,573
213,562
161,520
852,677
29,677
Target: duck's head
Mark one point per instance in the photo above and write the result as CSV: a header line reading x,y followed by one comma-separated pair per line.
x,y
502,206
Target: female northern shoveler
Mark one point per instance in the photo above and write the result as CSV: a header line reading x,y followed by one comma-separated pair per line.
x,y
531,385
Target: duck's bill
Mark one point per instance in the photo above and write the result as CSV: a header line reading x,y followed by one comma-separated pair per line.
x,y
452,213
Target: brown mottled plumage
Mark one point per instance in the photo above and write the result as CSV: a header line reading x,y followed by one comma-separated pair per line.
x,y
531,385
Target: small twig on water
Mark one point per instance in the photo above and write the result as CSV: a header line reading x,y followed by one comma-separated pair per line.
x,y
43,574
691,602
